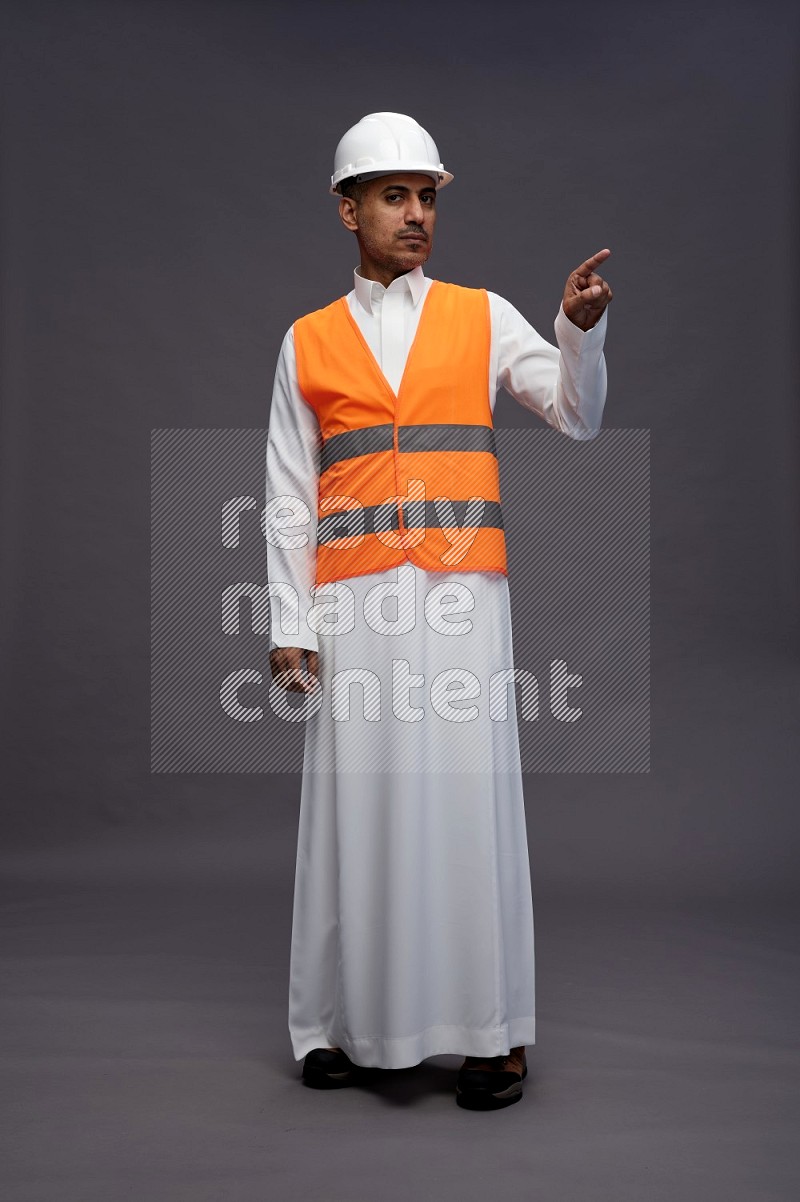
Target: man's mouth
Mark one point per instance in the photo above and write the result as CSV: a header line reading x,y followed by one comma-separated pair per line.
x,y
413,237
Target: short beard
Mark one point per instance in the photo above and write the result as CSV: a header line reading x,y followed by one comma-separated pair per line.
x,y
390,262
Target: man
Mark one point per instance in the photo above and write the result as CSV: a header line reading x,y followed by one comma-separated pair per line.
x,y
412,929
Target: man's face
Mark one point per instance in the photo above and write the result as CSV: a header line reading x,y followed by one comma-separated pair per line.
x,y
393,221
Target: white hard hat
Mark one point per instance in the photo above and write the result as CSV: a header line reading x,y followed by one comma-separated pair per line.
x,y
385,143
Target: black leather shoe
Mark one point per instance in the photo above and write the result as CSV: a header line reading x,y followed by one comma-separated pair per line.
x,y
331,1068
490,1088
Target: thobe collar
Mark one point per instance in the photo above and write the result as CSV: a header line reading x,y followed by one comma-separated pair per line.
x,y
370,293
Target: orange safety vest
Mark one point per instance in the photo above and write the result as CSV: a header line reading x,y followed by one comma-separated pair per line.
x,y
412,476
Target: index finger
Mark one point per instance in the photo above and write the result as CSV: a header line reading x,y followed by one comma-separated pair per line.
x,y
588,267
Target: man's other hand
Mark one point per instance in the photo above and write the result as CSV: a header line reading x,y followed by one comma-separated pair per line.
x,y
287,667
586,293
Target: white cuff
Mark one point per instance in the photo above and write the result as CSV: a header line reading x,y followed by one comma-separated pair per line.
x,y
573,337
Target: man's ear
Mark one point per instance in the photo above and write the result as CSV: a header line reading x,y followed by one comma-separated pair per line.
x,y
348,210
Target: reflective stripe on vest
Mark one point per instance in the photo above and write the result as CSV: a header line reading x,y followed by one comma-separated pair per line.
x,y
370,439
411,476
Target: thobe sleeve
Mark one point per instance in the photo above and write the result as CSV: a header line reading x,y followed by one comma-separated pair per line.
x,y
565,384
292,476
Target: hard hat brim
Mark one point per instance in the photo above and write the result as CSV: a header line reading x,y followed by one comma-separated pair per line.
x,y
436,172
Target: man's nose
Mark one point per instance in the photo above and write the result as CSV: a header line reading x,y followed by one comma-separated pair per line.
x,y
415,213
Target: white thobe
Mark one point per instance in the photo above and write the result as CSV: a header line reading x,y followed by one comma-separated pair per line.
x,y
412,931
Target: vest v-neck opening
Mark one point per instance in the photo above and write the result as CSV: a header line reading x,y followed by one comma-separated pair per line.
x,y
368,351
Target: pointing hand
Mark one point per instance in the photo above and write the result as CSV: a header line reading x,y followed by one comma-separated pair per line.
x,y
586,294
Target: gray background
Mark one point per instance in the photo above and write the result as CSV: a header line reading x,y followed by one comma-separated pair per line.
x,y
163,220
